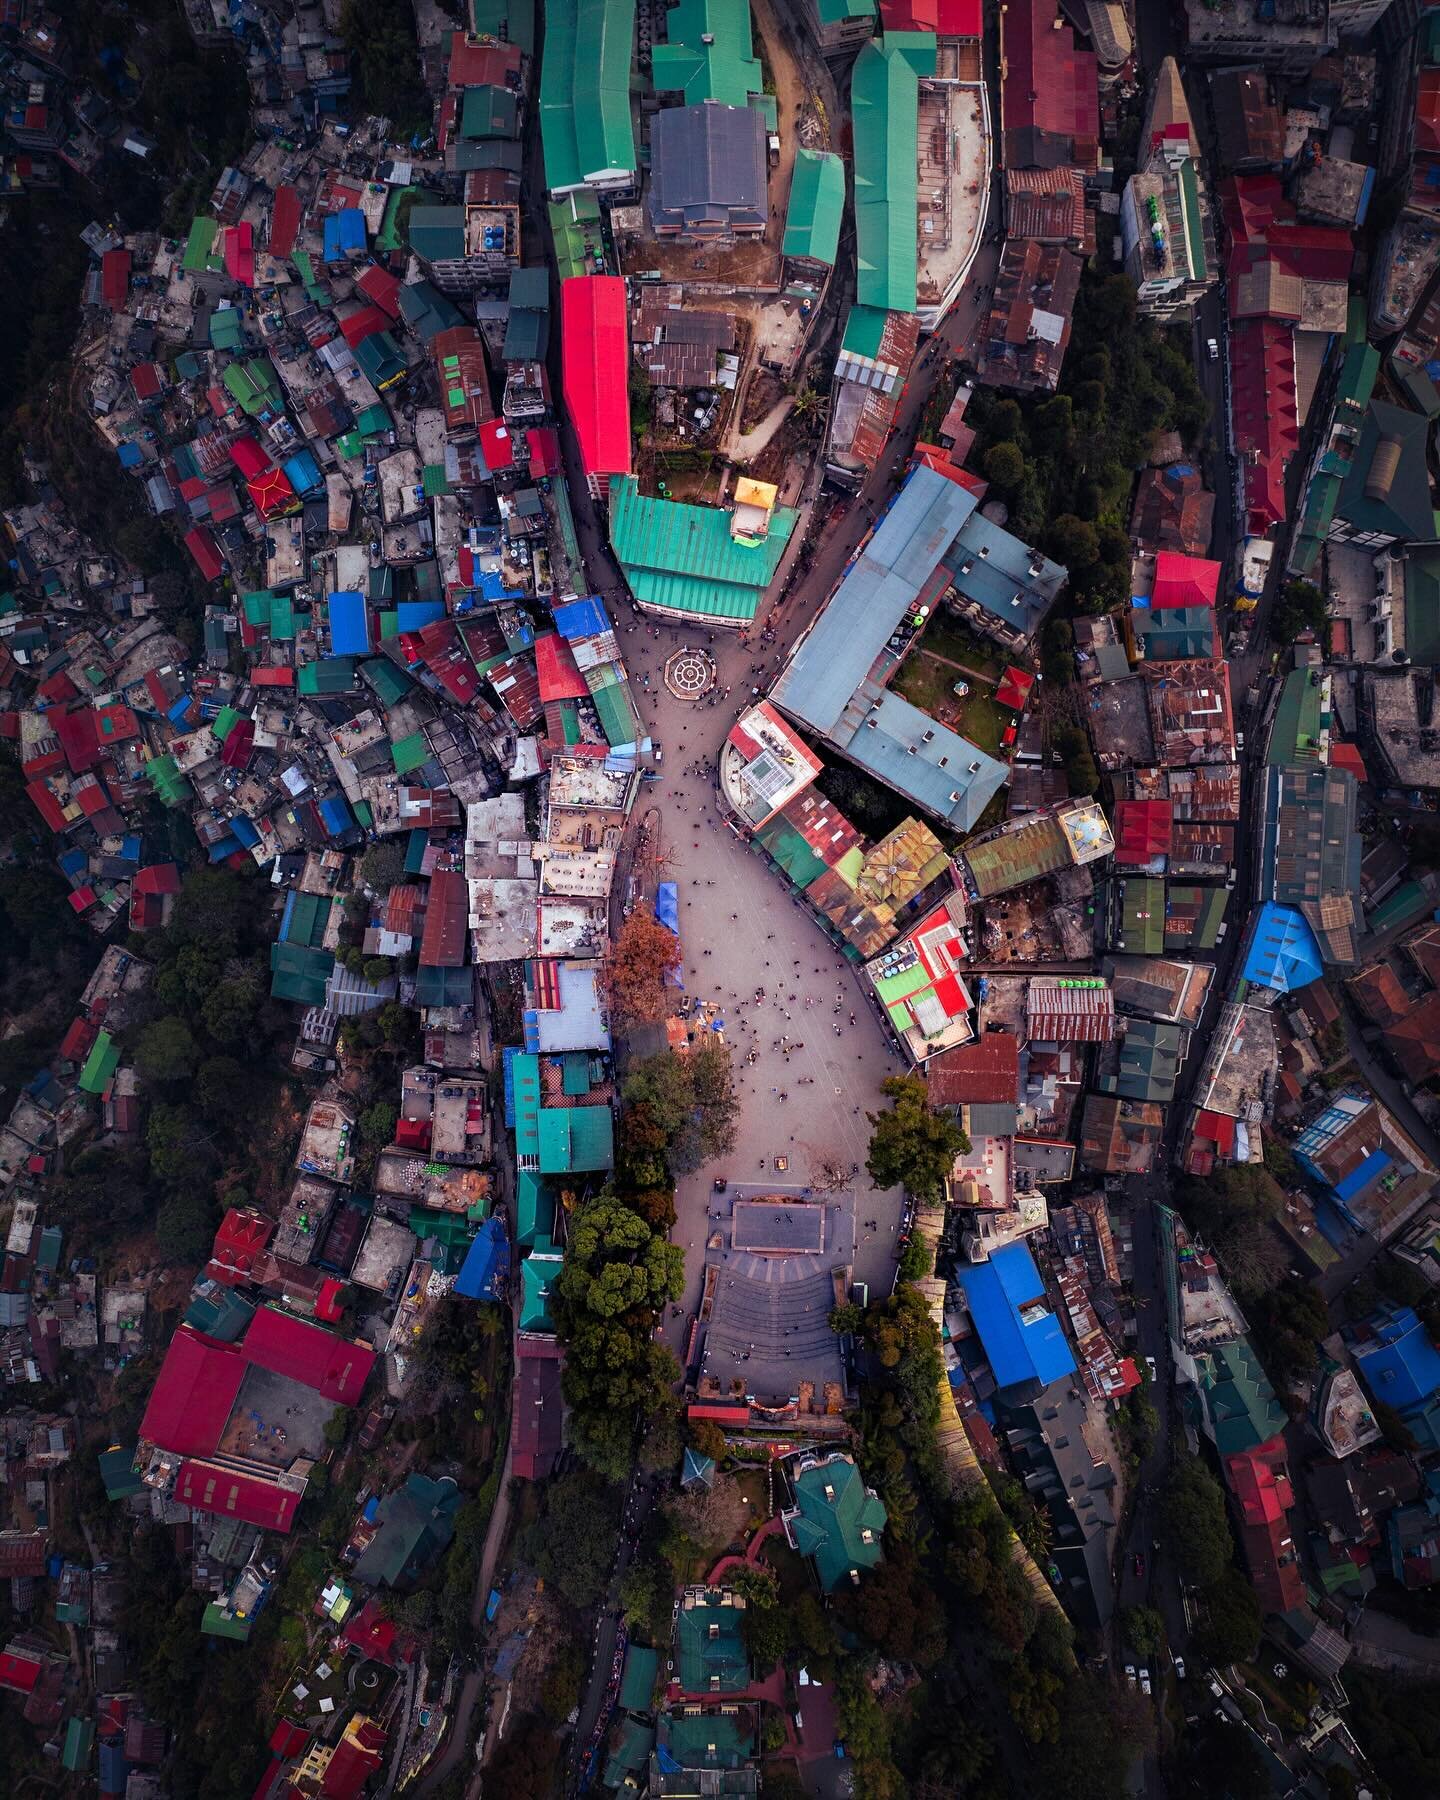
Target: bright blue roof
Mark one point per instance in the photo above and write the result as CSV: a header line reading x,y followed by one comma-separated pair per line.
x,y
344,233
130,456
349,623
245,831
581,618
486,1263
1283,954
411,615
1400,1365
1019,1349
1374,1166
223,847
336,815
303,472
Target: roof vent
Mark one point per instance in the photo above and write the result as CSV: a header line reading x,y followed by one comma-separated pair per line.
x,y
974,768
927,737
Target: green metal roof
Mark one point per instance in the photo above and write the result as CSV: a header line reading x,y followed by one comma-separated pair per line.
x,y
576,234
299,973
417,1521
171,787
1240,1403
216,1622
1142,914
617,716
391,685
586,127
576,1139
708,53
330,675
534,1207
1422,606
1394,498
307,921
1207,907
637,1684
683,557
710,1644
1174,633
884,105
841,1521
788,848
117,1472
817,205
537,1272
227,328
199,244
513,20
836,12
253,384
410,753
1194,225
1148,1062
437,233
525,1083
1299,720
490,112
100,1065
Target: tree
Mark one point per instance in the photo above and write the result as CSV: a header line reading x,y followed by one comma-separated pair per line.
x,y
1081,774
688,1101
644,954
1193,1509
707,1437
184,1226
1222,1759
178,1144
911,1145
1073,542
572,1542
896,1609
526,1761
230,1008
1230,1631
337,1427
917,1259
383,864
377,1122
166,1051
1299,606
1004,466
1143,1629
223,1089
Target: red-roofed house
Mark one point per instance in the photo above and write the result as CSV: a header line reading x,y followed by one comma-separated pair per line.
x,y
193,1394
1050,96
256,1497
560,677
464,375
272,494
595,365
147,379
537,1406
1184,580
333,1366
362,324
76,1043
1260,1485
946,18
200,542
985,1071
1014,689
381,288
20,1668
447,915
284,222
242,1237
354,1759
1142,830
239,253
115,278
288,1739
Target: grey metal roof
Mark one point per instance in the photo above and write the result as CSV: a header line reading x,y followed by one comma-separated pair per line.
x,y
1005,576
948,775
709,167
835,657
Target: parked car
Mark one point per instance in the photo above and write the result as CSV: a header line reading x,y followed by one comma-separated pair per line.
x,y
1144,1681
1150,1365
1130,1673
1139,1562
1179,1662
1212,349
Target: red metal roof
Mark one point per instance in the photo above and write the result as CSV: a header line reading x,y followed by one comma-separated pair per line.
x,y
362,324
560,678
476,63
1347,756
946,18
49,807
248,457
544,450
147,380
200,542
235,752
333,1366
1267,422
1184,580
284,221
19,1669
76,1043
1014,689
273,675
193,1394
986,1070
357,1756
240,253
115,278
413,1134
272,494
497,446
1219,1128
288,1739
447,916
1050,97
1142,829
78,730
381,287
595,363
254,1498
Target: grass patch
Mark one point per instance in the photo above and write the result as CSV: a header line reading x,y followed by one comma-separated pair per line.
x,y
948,636
790,1570
930,686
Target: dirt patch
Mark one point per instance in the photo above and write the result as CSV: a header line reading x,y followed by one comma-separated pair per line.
x,y
765,390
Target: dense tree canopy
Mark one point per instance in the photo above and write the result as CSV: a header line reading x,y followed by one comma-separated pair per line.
x,y
911,1145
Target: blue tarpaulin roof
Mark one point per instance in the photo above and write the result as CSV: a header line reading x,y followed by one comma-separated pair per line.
x,y
344,234
349,623
486,1263
335,814
1283,953
245,831
667,906
1360,1177
303,472
223,847
581,618
1022,1338
1400,1364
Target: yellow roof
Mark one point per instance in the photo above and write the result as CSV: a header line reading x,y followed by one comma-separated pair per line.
x,y
756,493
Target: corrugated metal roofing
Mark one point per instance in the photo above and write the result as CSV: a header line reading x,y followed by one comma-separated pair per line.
x,y
586,126
595,353
683,556
885,103
816,208
708,53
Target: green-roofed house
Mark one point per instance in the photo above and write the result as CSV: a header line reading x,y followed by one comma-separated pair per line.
x,y
171,787
1139,916
100,1065
522,1102
512,20
1301,730
199,245
626,1765
576,1140
227,329
79,1747
1145,1063
490,112
836,1520
1173,633
410,754
576,232
1193,916
708,53
391,684
537,1277
587,129
839,27
255,387
299,972
885,110
816,209
637,1684
709,1738
686,562
710,1642
1422,606
1385,496
118,1474
327,675
221,1314
417,1522
534,1208
437,233
1353,390
1240,1410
